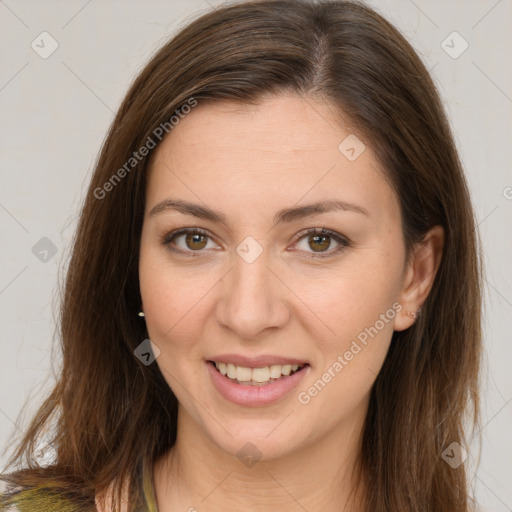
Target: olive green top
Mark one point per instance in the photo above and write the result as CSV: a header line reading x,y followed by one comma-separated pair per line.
x,y
45,498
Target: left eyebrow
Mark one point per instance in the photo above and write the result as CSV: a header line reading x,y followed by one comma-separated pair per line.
x,y
284,215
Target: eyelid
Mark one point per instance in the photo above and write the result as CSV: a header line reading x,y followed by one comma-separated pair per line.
x,y
343,241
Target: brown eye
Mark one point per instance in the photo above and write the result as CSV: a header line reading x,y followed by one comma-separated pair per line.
x,y
319,242
195,241
316,243
187,241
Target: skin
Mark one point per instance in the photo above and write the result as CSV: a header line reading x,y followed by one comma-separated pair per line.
x,y
248,162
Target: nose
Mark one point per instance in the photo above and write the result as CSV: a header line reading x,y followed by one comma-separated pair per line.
x,y
253,299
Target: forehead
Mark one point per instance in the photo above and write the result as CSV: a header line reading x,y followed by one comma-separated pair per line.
x,y
276,123
271,154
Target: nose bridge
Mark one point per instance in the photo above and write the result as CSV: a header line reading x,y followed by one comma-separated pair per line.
x,y
251,301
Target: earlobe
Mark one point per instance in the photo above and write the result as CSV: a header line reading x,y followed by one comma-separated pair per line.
x,y
419,277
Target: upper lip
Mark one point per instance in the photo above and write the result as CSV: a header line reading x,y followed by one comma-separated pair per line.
x,y
255,362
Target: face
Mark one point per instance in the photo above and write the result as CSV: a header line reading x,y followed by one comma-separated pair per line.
x,y
259,286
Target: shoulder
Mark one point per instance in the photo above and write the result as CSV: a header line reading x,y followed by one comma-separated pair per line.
x,y
104,500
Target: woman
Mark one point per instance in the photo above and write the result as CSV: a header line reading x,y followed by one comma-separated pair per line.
x,y
274,295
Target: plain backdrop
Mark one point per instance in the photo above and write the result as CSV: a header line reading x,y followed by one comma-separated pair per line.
x,y
55,112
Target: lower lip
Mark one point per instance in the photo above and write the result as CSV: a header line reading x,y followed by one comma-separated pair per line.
x,y
254,395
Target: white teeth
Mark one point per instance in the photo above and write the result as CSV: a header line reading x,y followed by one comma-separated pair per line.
x,y
256,375
231,371
260,374
286,369
275,371
243,374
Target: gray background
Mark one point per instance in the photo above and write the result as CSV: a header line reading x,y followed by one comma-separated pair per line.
x,y
55,114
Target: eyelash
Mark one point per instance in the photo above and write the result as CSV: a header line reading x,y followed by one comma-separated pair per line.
x,y
344,243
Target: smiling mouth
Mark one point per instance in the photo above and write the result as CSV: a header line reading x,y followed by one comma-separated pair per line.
x,y
257,376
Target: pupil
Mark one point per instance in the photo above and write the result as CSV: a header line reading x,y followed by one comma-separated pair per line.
x,y
324,237
194,238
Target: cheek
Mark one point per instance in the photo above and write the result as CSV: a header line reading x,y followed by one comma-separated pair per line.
x,y
357,306
360,312
174,300
353,296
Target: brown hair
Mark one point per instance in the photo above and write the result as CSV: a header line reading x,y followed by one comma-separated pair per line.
x,y
113,416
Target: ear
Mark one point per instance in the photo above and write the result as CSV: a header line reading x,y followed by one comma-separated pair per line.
x,y
419,276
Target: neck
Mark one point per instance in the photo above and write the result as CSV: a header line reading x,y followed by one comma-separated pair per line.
x,y
197,474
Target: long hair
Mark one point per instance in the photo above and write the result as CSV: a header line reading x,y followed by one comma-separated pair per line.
x,y
112,416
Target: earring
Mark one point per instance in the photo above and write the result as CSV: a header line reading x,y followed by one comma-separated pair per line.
x,y
141,313
414,314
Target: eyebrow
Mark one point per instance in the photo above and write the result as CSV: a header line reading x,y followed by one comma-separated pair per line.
x,y
284,215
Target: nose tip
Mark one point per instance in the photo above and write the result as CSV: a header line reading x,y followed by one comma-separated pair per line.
x,y
252,298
